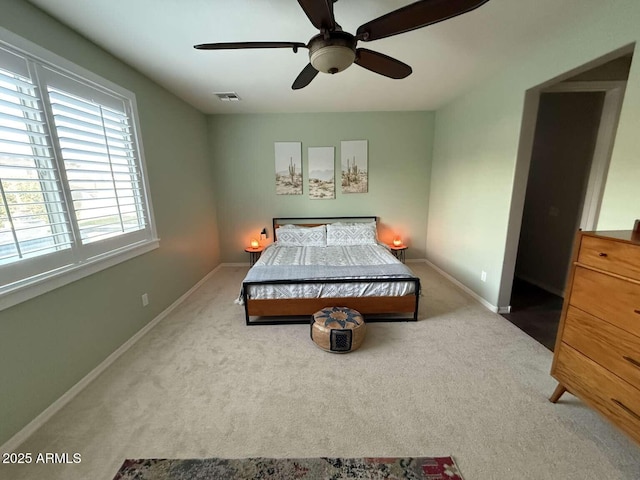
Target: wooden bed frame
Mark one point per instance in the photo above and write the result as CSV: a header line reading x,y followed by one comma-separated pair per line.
x,y
283,311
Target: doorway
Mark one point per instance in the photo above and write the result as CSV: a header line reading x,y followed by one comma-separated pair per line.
x,y
568,140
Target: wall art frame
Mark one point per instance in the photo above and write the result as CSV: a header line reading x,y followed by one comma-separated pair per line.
x,y
288,168
354,161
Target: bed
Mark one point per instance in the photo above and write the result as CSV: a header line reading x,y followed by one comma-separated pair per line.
x,y
328,261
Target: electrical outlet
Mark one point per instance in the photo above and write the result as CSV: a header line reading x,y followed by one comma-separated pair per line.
x,y
145,299
483,276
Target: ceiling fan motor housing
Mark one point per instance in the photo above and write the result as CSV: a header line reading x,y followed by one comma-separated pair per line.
x,y
333,54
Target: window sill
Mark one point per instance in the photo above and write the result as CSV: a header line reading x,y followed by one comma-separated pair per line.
x,y
31,289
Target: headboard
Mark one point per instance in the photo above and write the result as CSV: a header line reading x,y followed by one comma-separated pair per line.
x,y
315,221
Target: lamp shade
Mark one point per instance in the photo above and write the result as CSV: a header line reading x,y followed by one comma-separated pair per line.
x,y
397,241
254,243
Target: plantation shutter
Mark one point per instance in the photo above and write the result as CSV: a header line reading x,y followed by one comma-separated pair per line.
x,y
33,218
100,160
73,193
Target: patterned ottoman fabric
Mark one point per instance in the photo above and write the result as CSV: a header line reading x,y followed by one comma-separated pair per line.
x,y
337,329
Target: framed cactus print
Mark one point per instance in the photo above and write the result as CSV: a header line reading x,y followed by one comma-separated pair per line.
x,y
355,166
322,183
288,168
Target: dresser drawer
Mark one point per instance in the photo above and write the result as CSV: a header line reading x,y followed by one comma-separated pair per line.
x,y
596,386
612,299
609,346
616,257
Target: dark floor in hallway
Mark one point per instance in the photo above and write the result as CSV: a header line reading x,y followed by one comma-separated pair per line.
x,y
535,311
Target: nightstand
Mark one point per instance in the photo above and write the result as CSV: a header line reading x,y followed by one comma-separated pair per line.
x,y
398,251
254,254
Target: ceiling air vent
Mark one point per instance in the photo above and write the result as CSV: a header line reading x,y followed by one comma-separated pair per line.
x,y
228,96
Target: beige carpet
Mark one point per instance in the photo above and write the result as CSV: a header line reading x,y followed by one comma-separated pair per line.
x,y
462,381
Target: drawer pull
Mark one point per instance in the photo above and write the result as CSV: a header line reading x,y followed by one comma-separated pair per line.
x,y
626,409
602,254
632,361
637,310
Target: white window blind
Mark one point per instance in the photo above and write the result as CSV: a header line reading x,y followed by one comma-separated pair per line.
x,y
99,161
72,185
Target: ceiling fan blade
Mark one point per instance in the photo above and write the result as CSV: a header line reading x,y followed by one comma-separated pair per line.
x,y
383,64
320,12
305,77
414,16
235,45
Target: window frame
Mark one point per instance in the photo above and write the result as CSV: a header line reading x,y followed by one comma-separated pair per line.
x,y
45,281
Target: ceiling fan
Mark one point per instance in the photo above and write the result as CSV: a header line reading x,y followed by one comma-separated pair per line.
x,y
333,50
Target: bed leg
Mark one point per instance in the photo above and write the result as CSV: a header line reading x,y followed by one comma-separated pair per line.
x,y
417,288
246,303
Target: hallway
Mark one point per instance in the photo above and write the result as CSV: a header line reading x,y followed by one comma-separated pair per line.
x,y
535,311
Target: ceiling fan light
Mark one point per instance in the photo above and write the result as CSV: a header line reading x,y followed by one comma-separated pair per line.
x,y
332,58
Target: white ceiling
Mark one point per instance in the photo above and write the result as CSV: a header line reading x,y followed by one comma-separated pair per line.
x,y
157,37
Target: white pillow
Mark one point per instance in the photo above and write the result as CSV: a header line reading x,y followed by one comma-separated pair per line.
x,y
352,234
302,237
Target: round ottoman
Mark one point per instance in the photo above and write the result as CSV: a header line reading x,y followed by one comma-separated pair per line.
x,y
337,329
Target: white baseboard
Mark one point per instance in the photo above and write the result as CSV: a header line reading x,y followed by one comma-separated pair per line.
x,y
462,286
15,441
416,260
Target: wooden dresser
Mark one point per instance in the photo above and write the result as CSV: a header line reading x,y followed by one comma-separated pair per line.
x,y
597,352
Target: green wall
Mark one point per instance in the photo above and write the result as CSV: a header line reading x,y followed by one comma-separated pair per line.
x,y
49,343
399,146
476,148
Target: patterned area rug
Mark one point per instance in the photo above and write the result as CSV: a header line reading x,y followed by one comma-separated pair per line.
x,y
424,468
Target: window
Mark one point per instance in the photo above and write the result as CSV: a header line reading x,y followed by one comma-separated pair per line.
x,y
73,192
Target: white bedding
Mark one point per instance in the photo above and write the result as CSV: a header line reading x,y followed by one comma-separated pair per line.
x,y
331,256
